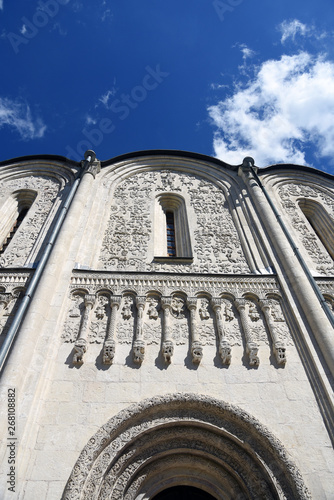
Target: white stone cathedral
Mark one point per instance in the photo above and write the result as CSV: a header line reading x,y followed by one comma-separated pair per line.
x,y
166,329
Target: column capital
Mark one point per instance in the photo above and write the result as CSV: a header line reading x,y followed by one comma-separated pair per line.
x,y
89,300
115,301
93,168
192,303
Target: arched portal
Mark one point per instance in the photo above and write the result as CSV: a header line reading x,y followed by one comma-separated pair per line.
x,y
184,440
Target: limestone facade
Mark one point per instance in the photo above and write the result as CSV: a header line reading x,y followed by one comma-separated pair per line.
x,y
156,350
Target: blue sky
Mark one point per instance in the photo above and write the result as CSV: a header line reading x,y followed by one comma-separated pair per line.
x,y
224,78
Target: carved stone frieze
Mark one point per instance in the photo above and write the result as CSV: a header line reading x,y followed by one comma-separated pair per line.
x,y
167,284
177,319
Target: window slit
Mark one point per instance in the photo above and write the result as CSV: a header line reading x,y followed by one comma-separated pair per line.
x,y
171,246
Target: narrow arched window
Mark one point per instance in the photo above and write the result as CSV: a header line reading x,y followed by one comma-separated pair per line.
x,y
13,213
171,230
321,223
13,229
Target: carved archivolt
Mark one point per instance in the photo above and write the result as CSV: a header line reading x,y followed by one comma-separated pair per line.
x,y
184,439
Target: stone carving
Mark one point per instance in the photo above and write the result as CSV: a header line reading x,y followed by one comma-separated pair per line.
x,y
98,325
152,333
152,310
127,307
224,346
289,194
180,333
167,348
252,347
196,346
80,346
109,346
207,334
72,325
178,307
167,284
138,351
119,458
24,240
139,343
204,309
216,244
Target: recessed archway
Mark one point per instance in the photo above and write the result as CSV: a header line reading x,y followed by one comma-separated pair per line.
x,y
184,440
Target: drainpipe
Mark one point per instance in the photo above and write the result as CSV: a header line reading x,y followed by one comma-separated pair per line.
x,y
249,162
5,348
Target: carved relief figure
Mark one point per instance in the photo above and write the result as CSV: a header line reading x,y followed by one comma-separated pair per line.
x,y
204,309
152,310
178,307
127,307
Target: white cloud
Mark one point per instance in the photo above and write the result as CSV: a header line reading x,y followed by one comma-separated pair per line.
x,y
246,52
1,4
290,29
90,121
287,107
17,115
106,97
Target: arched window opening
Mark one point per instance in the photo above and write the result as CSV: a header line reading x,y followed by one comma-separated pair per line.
x,y
171,247
13,213
321,223
171,230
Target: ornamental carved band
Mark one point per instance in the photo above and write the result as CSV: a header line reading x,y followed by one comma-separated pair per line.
x,y
253,319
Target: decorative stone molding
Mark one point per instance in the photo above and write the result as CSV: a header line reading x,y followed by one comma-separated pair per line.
x,y
140,449
185,317
168,284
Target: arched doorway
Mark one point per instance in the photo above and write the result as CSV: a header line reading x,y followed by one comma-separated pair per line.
x,y
183,493
186,440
